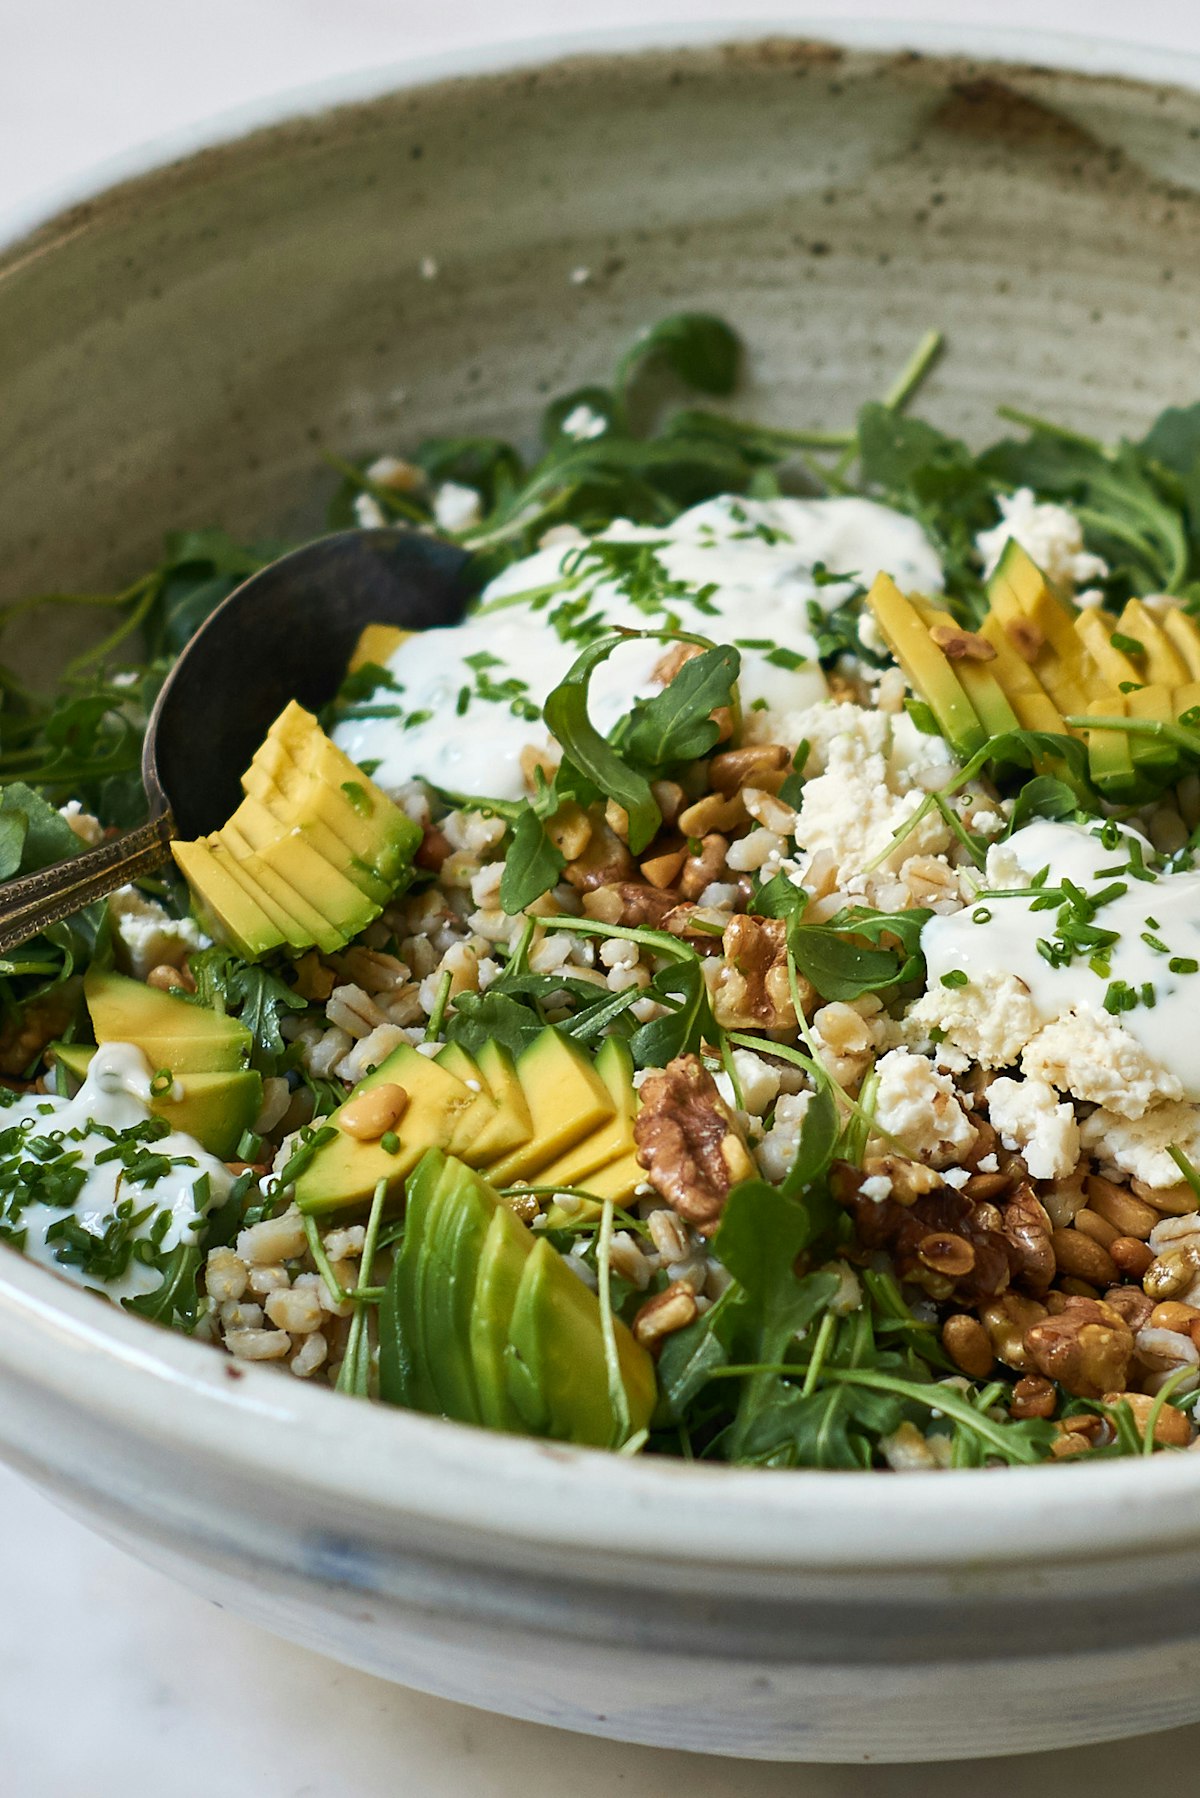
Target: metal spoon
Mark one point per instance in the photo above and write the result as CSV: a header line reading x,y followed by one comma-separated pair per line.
x,y
286,633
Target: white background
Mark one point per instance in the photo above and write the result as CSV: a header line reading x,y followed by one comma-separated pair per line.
x,y
113,1683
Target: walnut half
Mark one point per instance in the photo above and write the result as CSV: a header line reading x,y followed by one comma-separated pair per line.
x,y
689,1143
751,991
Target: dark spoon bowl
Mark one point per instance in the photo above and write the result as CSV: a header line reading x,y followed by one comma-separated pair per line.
x,y
286,633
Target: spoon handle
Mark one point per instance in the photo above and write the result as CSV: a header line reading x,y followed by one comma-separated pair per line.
x,y
30,903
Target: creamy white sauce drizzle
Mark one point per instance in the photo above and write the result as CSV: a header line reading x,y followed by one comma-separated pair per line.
x,y
1006,943
749,570
115,1094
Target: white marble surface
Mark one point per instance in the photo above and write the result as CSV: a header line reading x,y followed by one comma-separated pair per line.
x,y
114,1683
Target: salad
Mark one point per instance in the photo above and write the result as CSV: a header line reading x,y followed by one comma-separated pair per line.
x,y
728,998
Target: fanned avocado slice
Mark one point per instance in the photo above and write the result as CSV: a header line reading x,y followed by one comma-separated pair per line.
x,y
300,924
223,905
506,1249
566,1099
1184,633
1153,758
488,1129
405,1377
171,1032
614,1138
460,1215
1161,661
927,669
345,1171
555,1369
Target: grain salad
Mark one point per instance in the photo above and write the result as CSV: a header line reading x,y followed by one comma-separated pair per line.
x,y
729,997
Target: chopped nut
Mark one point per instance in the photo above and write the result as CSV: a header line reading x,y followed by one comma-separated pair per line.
x,y
1025,638
434,850
688,1142
665,1313
1033,1396
754,992
670,799
1132,1304
966,1342
1087,1347
1171,1273
570,830
959,645
699,871
604,860
1006,1321
1172,1427
168,979
638,904
662,870
1028,1230
734,769
939,1241
712,813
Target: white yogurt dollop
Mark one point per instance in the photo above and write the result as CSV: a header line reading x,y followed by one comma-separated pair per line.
x,y
1155,957
113,1100
741,571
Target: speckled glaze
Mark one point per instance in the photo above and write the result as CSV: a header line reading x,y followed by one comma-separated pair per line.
x,y
180,349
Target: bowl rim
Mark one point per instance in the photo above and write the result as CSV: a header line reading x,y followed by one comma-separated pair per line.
x,y
391,1466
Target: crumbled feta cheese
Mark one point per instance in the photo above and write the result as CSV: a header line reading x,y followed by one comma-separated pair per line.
x,y
582,424
758,1081
1033,1120
149,936
777,1150
989,1164
865,795
456,508
869,634
918,1107
877,1188
1138,1146
88,829
1092,1056
1049,533
990,1019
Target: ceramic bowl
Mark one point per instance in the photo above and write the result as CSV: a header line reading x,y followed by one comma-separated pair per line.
x,y
180,348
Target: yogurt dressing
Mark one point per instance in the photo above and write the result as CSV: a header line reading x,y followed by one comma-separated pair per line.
x,y
747,571
1166,909
115,1094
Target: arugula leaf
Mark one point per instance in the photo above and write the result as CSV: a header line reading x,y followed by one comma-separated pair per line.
x,y
779,897
676,725
819,1135
699,348
689,1023
840,968
1043,797
174,1301
251,993
532,864
566,716
478,1018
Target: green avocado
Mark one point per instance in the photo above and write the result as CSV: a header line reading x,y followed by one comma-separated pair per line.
x,y
554,1363
216,1109
324,786
171,1032
492,1126
566,1098
459,1218
927,669
299,924
345,1170
404,1362
506,1248
227,910
311,884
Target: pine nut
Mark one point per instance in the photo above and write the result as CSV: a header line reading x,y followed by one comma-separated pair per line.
x,y
966,1342
374,1112
1127,1215
1131,1256
1082,1259
1097,1227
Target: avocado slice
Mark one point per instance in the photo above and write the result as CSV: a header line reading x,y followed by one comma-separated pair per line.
x,y
316,884
224,907
1161,661
299,923
216,1109
614,1138
499,1070
1184,633
1110,758
393,836
926,668
171,1032
506,1248
566,1099
1156,760
488,1129
978,681
617,1180
330,790
345,1171
554,1360
460,1216
404,1374
377,643
1158,756
1024,599
1030,701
